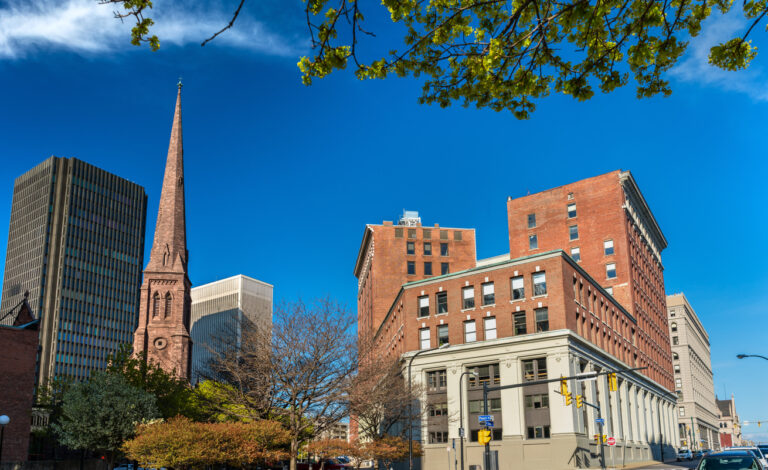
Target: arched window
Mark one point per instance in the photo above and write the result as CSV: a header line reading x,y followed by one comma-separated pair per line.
x,y
675,356
673,325
156,305
167,304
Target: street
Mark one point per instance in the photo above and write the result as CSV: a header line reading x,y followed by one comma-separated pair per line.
x,y
671,465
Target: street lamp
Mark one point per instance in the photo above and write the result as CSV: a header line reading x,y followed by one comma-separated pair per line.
x,y
742,356
461,413
3,421
410,403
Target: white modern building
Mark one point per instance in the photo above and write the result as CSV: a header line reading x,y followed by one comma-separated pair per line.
x,y
218,311
533,427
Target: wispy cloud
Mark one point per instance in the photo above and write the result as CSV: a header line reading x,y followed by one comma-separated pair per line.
x,y
87,27
695,66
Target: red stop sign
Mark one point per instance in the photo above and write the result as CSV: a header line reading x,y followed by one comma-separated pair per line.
x,y
611,441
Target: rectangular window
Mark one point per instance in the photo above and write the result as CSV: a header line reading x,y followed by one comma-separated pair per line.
x,y
538,432
533,242
537,401
573,232
484,375
488,296
610,270
438,437
542,319
443,249
411,267
477,406
535,369
424,306
442,335
426,233
443,234
609,290
442,302
427,268
436,380
682,411
398,232
490,327
518,288
444,268
470,332
411,233
520,328
576,254
608,247
457,236
571,211
675,340
427,248
410,248
531,220
438,409
539,284
424,342
679,383
468,297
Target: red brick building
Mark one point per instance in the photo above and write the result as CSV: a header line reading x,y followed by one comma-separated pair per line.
x,y
165,302
391,255
17,380
605,224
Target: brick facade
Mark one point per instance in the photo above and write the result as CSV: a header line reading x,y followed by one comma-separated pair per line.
x,y
165,302
605,209
382,263
17,382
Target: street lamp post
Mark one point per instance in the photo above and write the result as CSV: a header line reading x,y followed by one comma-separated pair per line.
x,y
410,403
3,421
742,356
461,413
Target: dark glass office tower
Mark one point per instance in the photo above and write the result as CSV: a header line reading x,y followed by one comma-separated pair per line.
x,y
76,243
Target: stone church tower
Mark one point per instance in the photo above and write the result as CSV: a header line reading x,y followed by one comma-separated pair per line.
x,y
165,304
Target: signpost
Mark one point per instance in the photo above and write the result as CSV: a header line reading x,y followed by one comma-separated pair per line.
x,y
485,420
600,421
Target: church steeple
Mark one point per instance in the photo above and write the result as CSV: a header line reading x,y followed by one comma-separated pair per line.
x,y
169,247
165,303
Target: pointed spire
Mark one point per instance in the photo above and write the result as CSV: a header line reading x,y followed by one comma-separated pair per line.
x,y
169,248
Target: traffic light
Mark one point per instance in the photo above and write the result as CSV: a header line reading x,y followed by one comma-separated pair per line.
x,y
597,438
484,436
605,438
613,384
563,386
579,401
568,398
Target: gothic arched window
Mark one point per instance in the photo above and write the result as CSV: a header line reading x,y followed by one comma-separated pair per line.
x,y
167,304
156,305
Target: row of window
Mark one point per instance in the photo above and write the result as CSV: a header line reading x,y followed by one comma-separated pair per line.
x,y
427,234
607,250
411,265
410,248
517,284
570,210
489,329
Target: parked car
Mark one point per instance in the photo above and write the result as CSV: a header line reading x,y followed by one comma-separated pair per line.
x,y
754,450
330,464
730,460
684,454
698,453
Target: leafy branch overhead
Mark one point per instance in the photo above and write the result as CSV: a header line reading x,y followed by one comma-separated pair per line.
x,y
504,54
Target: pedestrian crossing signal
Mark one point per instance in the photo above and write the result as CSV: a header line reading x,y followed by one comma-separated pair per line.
x,y
484,436
613,384
579,401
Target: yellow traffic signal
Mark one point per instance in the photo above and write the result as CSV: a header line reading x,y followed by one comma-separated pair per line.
x,y
613,383
597,438
563,386
605,438
579,401
568,398
484,436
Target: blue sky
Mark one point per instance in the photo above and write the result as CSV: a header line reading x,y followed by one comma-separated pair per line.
x,y
281,178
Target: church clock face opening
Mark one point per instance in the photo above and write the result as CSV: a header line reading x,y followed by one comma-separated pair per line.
x,y
161,343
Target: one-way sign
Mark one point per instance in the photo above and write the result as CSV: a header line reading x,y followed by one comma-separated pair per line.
x,y
485,418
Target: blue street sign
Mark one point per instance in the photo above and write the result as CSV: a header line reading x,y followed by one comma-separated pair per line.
x,y
485,418
488,423
600,421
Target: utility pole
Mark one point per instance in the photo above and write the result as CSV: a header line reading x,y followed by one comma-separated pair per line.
x,y
693,434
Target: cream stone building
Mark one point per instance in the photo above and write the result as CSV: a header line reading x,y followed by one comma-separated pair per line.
x,y
694,385
533,427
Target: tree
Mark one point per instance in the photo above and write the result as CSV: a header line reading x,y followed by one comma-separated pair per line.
x,y
298,375
329,448
389,449
181,443
504,54
102,413
174,395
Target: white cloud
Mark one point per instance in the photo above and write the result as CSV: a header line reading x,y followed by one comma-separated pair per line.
x,y
695,66
87,27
